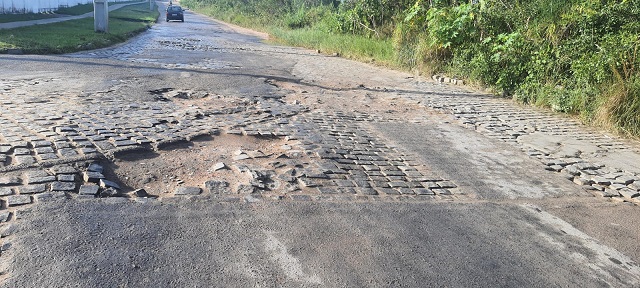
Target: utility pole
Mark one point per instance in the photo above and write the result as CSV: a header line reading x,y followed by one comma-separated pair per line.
x,y
101,15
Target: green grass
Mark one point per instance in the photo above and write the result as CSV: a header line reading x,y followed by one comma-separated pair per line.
x,y
350,46
76,35
85,8
76,10
6,18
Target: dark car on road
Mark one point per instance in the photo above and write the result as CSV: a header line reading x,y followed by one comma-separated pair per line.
x,y
175,12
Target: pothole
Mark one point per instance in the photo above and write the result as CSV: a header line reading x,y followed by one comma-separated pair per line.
x,y
234,164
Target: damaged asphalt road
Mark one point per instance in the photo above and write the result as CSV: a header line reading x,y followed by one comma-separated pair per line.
x,y
214,159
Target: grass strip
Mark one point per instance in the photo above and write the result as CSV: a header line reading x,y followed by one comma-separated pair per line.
x,y
85,8
350,46
77,35
6,18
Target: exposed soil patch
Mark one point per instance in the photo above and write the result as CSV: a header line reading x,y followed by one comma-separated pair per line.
x,y
193,163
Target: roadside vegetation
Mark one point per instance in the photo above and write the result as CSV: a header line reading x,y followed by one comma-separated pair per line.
x,y
76,35
6,18
577,56
73,10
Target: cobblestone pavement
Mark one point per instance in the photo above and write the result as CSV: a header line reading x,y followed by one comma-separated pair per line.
x,y
56,145
604,164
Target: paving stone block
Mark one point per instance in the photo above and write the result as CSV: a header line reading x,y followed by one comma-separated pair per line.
x,y
625,180
40,179
25,160
328,190
48,196
4,191
423,191
344,183
187,191
15,200
387,191
406,191
398,184
10,180
367,191
38,144
89,189
601,180
446,184
446,192
66,177
94,177
629,193
7,229
4,149
33,189
108,184
583,181
44,150
4,216
63,186
21,151
95,167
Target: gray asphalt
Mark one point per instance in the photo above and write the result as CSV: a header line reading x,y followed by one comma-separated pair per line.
x,y
495,240
206,243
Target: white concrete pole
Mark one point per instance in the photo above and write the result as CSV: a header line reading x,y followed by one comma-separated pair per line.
x,y
101,15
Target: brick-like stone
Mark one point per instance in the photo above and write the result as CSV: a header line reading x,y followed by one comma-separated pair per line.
x,y
108,184
66,177
63,186
8,229
32,189
95,167
601,180
91,176
25,160
40,180
447,184
423,191
387,191
4,216
186,190
582,181
4,181
629,193
624,179
15,200
5,191
47,196
89,189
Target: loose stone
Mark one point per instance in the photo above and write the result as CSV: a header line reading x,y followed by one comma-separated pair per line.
x,y
217,187
188,191
89,189
108,184
219,166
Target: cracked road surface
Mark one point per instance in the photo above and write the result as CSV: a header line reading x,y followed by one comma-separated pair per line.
x,y
197,155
